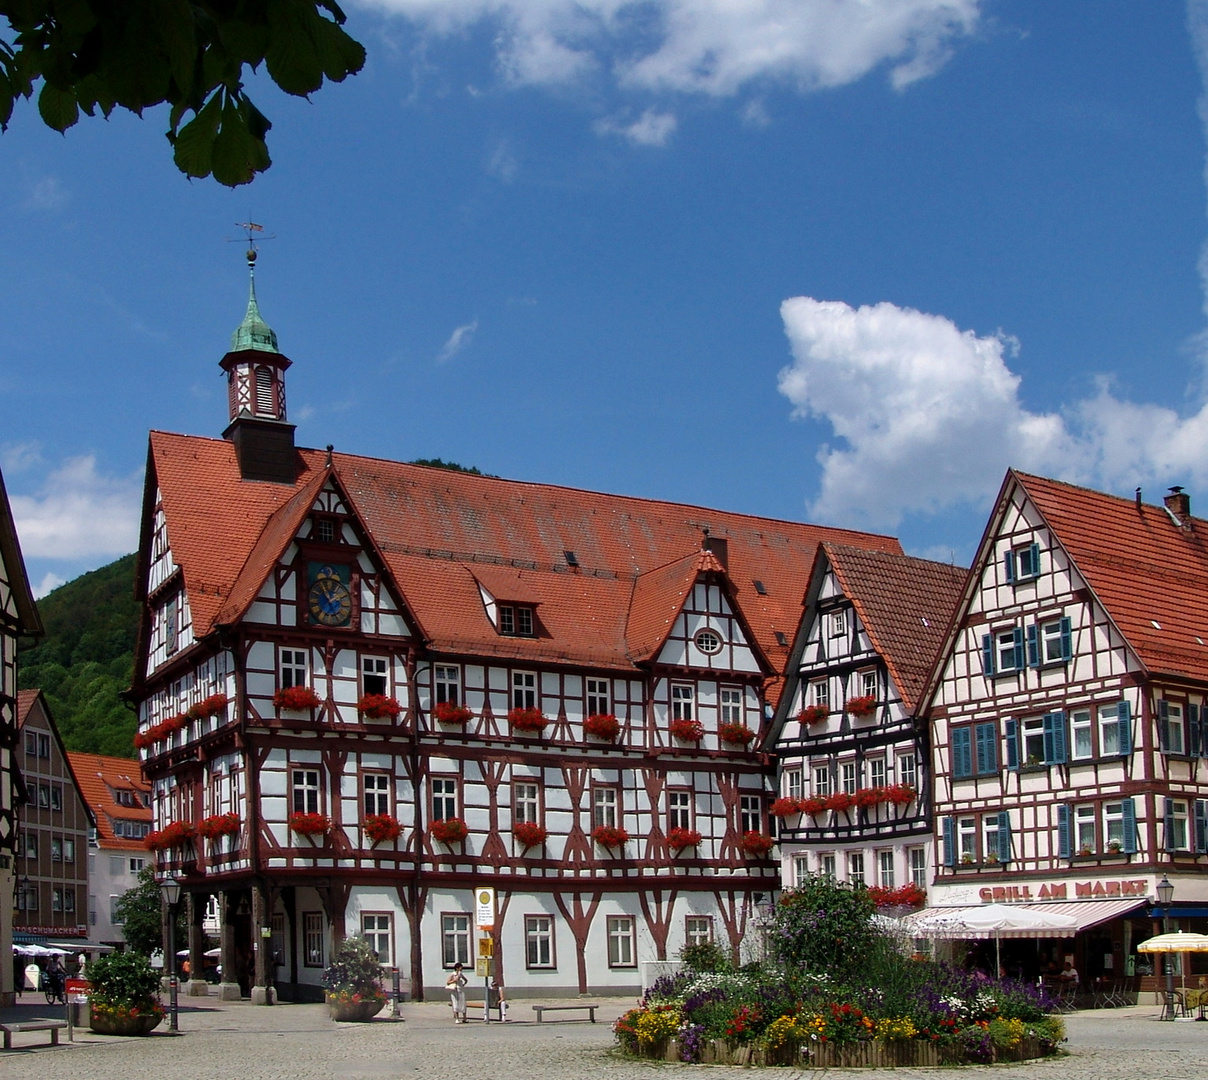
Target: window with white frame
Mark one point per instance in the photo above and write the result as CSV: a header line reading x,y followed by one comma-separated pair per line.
x,y
1007,650
597,697
56,797
885,875
698,929
908,770
455,939
730,698
56,849
1109,730
683,698
1170,716
820,693
621,951
838,623
966,829
1054,641
374,675
56,898
305,790
604,802
444,798
855,868
524,690
515,621
878,772
918,867
793,785
538,941
313,939
679,808
990,835
1178,838
1084,829
69,851
1033,740
801,869
293,668
136,865
822,781
31,744
707,641
446,680
826,865
375,929
849,776
1080,734
868,683
377,793
750,813
1113,824
526,802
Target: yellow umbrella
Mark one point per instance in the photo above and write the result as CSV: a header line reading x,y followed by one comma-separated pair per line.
x,y
1178,942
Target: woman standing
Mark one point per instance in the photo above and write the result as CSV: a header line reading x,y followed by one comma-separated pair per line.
x,y
456,985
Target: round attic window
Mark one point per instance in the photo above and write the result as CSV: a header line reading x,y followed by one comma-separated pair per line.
x,y
708,641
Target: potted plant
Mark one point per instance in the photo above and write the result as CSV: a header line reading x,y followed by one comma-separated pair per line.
x,y
1085,849
449,712
735,734
1115,845
530,720
219,825
450,830
862,705
687,730
813,714
966,859
296,699
353,982
603,726
610,836
756,843
678,839
124,999
378,707
529,834
312,826
382,828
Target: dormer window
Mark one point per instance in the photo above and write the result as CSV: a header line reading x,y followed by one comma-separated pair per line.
x,y
838,623
325,531
515,621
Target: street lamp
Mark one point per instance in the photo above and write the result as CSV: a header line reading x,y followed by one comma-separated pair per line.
x,y
1165,891
170,888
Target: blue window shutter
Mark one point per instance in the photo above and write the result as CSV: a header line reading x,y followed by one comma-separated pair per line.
x,y
962,753
1004,837
987,749
949,841
1124,721
1201,826
1012,744
1054,739
1033,645
1067,639
1168,838
1034,554
1130,828
1195,734
1019,648
1063,831
988,655
1008,566
1163,726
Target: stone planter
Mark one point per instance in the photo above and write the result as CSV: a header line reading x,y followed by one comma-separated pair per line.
x,y
356,1012
143,1024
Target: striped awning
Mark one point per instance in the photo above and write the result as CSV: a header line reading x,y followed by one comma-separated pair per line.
x,y
1058,919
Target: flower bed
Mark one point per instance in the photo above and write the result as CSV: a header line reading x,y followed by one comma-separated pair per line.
x,y
813,714
602,726
609,836
861,706
678,839
529,833
378,707
687,730
735,734
450,830
531,720
296,698
382,828
218,826
310,824
756,843
449,712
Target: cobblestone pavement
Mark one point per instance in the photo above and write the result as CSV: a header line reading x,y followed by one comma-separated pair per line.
x,y
297,1042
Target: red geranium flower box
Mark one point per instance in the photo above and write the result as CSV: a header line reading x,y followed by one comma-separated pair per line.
x,y
902,794
814,805
904,896
529,833
219,825
154,840
211,706
296,698
841,800
678,839
178,833
450,830
378,707
756,843
527,720
735,734
867,798
449,712
382,828
610,836
602,726
813,714
861,706
687,730
787,806
310,824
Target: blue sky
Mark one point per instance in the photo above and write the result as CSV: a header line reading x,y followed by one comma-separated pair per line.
x,y
837,262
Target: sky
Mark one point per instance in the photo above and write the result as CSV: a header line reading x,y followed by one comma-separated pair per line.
x,y
843,261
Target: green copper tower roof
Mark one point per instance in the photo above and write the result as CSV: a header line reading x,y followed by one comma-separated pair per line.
x,y
253,332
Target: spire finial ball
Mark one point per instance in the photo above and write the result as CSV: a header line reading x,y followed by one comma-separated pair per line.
x,y
251,256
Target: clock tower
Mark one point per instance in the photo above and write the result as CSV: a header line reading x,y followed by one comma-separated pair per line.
x,y
255,369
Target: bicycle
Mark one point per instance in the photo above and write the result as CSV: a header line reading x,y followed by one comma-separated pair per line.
x,y
55,989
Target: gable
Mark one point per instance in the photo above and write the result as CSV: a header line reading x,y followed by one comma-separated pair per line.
x,y
707,616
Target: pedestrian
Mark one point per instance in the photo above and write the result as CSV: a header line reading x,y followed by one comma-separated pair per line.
x,y
456,985
500,1001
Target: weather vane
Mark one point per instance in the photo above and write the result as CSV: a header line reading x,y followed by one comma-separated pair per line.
x,y
252,228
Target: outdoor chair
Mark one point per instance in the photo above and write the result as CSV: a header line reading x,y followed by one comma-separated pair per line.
x,y
1174,1004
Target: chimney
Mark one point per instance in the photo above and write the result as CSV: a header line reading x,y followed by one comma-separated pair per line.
x,y
1179,504
720,548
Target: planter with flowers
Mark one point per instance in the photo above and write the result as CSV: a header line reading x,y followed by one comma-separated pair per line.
x,y
353,982
735,734
687,730
787,806
314,827
449,712
217,826
529,834
813,714
214,705
681,839
603,726
382,828
1115,846
756,844
177,834
610,836
124,994
296,699
378,707
530,721
862,705
449,830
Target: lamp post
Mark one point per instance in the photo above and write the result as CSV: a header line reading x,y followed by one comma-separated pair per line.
x,y
1165,891
170,889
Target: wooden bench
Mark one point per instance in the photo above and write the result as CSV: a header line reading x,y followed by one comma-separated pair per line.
x,y
53,1026
591,1010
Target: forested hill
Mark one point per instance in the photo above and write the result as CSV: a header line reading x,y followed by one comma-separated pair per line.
x,y
87,658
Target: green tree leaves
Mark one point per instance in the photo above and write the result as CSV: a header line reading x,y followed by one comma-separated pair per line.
x,y
133,54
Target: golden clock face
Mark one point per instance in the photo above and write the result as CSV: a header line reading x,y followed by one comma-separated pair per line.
x,y
329,600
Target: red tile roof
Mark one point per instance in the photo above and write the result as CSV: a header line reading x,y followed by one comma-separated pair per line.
x,y
1142,566
97,777
439,532
905,605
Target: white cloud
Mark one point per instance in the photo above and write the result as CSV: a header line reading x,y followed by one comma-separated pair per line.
x,y
18,457
458,340
652,128
50,581
79,513
928,416
46,193
503,164
713,47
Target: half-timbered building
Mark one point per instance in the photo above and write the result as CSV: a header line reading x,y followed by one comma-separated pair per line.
x,y
18,617
1066,716
366,688
854,768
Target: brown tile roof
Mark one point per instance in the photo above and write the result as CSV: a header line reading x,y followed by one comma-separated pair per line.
x,y
97,776
440,531
1141,565
658,596
905,605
